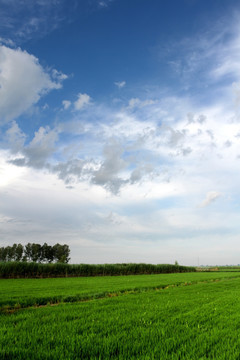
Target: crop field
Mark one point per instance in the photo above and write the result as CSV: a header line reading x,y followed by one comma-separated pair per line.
x,y
173,316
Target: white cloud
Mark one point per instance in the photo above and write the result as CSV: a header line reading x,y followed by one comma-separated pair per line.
x,y
66,104
83,100
58,75
210,197
123,148
112,166
15,138
41,147
120,84
38,152
136,102
22,82
7,42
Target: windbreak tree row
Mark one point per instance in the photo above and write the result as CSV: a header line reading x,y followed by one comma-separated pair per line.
x,y
36,253
13,269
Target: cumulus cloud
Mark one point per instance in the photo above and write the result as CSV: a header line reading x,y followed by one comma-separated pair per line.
x,y
37,153
139,172
210,197
113,164
58,75
120,84
15,138
200,119
123,149
136,102
126,149
22,82
82,101
70,171
41,147
66,104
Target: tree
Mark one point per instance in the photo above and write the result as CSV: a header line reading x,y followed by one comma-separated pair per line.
x,y
9,253
66,251
28,252
61,253
47,253
36,252
3,254
18,252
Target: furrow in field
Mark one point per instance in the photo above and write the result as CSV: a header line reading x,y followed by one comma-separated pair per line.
x,y
56,300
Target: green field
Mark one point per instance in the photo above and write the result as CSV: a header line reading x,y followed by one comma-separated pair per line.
x,y
125,317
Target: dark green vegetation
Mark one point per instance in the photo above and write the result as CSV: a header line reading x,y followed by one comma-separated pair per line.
x,y
36,253
194,322
36,270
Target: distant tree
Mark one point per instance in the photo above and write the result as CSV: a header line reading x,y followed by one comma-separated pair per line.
x,y
18,252
36,252
28,252
10,253
66,251
3,254
47,253
13,251
61,253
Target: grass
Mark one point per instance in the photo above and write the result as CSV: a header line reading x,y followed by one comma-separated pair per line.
x,y
28,292
199,322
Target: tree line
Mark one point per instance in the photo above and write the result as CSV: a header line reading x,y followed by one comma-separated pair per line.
x,y
35,253
13,269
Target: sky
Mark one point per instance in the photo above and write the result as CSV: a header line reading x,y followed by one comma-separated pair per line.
x,y
120,129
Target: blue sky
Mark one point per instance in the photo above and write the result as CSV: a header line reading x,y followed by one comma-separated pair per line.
x,y
120,128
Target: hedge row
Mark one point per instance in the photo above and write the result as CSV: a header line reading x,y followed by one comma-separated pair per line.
x,y
36,270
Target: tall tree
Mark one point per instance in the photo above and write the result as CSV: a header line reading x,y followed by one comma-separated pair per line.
x,y
47,253
3,254
36,252
61,253
9,253
18,252
28,252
